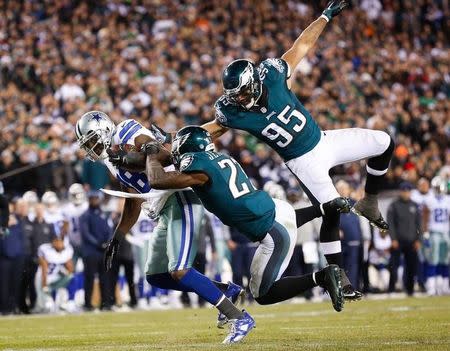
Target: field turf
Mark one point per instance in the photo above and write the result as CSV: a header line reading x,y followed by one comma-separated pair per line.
x,y
397,324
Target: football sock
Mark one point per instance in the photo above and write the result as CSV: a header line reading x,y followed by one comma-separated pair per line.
x,y
222,286
329,239
226,307
201,285
376,169
141,287
165,281
288,287
306,214
72,288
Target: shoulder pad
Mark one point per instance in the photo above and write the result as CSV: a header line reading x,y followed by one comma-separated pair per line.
x,y
186,161
275,68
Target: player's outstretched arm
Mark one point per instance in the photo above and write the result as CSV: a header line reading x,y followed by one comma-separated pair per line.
x,y
160,179
215,129
309,36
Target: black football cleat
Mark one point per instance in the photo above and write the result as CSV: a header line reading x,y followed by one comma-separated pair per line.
x,y
350,294
377,222
332,283
337,205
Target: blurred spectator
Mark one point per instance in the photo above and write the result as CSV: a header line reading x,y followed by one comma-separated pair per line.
x,y
124,259
95,232
405,230
4,212
351,238
11,263
242,252
379,257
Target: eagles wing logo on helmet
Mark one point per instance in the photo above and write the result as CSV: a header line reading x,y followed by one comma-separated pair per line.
x,y
186,161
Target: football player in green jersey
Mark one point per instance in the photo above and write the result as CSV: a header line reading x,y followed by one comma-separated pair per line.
x,y
258,99
225,190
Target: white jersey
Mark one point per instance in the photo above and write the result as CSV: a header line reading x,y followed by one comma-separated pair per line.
x,y
56,218
72,214
55,260
420,198
125,134
439,207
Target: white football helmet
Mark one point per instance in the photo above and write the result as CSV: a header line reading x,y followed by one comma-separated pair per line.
x,y
275,190
439,185
50,199
94,132
77,195
30,197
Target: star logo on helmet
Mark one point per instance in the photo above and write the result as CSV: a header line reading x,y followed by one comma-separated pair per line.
x,y
97,117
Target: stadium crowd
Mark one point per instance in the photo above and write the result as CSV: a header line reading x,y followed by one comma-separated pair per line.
x,y
382,65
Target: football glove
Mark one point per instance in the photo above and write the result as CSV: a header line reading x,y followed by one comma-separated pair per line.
x,y
334,8
151,148
132,161
111,251
161,135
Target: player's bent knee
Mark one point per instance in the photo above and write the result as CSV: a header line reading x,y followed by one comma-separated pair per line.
x,y
264,300
178,275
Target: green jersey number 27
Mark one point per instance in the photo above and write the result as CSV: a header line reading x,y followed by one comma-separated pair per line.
x,y
238,187
274,131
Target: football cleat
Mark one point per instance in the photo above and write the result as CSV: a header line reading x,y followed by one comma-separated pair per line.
x,y
239,328
236,294
350,294
337,205
377,222
332,283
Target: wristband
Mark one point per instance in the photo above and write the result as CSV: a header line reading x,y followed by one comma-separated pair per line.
x,y
324,17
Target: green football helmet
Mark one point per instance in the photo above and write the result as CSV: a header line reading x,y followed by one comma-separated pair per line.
x,y
190,139
241,83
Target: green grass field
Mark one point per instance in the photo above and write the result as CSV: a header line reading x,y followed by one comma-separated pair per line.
x,y
400,324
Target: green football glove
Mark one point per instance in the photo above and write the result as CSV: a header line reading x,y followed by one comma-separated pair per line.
x,y
334,8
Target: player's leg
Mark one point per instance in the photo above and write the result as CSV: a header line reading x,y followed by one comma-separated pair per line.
x,y
353,144
272,258
311,171
442,268
335,206
186,218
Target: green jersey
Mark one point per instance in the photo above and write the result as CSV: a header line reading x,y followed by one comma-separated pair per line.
x,y
230,195
281,121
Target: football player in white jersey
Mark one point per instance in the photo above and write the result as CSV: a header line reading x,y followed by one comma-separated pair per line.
x,y
32,200
436,223
173,246
54,272
53,213
72,212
